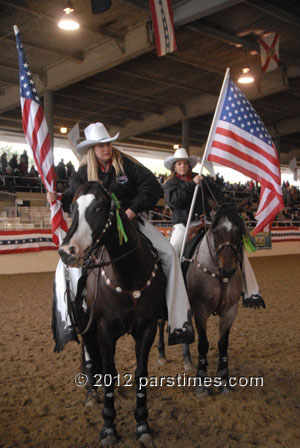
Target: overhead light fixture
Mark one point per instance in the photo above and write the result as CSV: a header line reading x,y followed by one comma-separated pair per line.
x,y
175,146
63,130
68,21
246,76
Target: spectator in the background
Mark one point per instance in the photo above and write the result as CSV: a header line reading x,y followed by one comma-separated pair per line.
x,y
61,170
13,163
25,156
33,172
3,162
70,170
23,167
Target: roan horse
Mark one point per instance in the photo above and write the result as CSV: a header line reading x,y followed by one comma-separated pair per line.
x,y
214,286
124,293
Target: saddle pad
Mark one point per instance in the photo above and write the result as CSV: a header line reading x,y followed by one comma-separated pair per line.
x,y
190,249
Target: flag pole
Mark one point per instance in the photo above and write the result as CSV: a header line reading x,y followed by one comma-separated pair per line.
x,y
207,146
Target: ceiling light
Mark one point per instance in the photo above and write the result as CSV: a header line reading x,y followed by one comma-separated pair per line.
x,y
63,130
246,76
175,146
68,21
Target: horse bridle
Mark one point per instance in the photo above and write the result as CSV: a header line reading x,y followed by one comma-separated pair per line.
x,y
91,256
219,248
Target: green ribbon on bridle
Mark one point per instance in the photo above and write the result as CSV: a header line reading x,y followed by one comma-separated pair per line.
x,y
247,243
120,227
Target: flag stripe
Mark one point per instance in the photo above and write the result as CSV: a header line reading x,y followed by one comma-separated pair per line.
x,y
252,162
258,147
235,162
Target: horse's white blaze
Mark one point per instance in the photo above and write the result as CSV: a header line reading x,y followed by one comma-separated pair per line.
x,y
227,224
83,235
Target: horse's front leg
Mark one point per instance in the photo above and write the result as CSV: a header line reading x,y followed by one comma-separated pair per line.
x,y
144,338
203,345
107,345
91,365
161,342
226,321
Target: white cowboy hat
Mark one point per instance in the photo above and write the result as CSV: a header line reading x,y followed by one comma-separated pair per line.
x,y
180,154
95,133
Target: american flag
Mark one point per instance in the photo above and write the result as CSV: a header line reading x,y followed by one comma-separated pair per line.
x,y
241,141
37,136
162,19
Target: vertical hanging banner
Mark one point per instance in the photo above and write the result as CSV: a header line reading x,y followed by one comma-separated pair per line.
x,y
162,19
37,136
269,52
293,167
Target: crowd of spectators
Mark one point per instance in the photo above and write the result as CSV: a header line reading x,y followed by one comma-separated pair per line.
x,y
246,196
16,175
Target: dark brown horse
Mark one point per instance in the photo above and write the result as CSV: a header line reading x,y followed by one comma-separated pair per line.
x,y
124,293
214,285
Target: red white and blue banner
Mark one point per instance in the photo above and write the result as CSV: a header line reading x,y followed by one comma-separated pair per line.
x,y
20,241
285,234
162,19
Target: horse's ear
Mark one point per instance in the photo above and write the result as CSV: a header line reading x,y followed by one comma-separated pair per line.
x,y
241,205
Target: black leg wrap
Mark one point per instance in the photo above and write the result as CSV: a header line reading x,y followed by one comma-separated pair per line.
x,y
108,430
202,367
222,371
141,428
141,412
109,414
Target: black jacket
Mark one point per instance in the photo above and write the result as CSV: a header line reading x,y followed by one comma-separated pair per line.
x,y
136,189
179,194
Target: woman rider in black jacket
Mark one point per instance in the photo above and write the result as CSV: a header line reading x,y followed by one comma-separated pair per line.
x,y
179,190
137,190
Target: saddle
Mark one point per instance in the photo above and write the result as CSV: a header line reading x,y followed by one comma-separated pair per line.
x,y
195,235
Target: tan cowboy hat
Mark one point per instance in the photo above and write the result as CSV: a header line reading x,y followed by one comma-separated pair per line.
x,y
95,133
180,154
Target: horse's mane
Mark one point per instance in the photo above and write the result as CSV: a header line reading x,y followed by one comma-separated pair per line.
x,y
88,187
230,211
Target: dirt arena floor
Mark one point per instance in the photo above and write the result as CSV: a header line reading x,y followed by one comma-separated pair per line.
x,y
41,406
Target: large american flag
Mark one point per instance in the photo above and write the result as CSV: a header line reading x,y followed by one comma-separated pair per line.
x,y
241,141
37,136
162,19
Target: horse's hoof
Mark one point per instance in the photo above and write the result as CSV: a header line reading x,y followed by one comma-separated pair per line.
x,y
162,360
108,436
225,387
143,435
146,440
92,398
203,392
109,441
188,366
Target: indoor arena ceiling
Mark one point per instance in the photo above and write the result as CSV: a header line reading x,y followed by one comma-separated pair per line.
x,y
108,69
